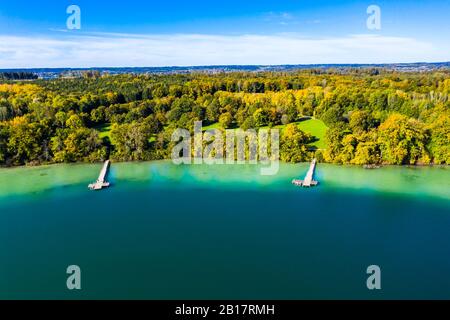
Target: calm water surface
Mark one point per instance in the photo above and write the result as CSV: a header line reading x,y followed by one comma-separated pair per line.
x,y
224,232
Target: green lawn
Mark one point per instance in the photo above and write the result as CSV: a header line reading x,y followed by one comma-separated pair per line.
x,y
317,129
314,127
212,126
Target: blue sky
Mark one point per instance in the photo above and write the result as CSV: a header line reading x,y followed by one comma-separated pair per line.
x,y
157,33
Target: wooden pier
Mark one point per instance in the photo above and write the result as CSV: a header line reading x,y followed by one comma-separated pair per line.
x,y
101,181
309,178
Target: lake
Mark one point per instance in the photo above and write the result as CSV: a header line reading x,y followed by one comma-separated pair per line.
x,y
224,232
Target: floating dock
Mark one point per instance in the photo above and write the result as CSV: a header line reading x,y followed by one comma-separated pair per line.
x,y
309,178
101,181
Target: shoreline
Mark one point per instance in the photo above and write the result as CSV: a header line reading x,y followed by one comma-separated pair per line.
x,y
430,181
378,166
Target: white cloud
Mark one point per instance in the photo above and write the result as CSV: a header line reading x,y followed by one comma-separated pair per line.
x,y
120,50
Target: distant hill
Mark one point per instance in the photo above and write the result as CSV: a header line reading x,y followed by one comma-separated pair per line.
x,y
18,75
49,73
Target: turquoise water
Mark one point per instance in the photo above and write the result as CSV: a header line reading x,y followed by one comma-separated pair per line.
x,y
224,232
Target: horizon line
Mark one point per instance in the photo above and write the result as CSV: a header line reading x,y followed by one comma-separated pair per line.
x,y
237,65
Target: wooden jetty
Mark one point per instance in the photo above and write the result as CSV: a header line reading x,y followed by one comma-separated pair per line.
x,y
309,178
101,181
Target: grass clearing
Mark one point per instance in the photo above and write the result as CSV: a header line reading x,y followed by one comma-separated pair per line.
x,y
314,127
317,129
212,126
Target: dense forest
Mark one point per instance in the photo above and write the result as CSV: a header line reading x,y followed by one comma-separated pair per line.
x,y
371,116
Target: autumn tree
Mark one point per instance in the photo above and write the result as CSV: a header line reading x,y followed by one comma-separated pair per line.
x,y
403,140
293,145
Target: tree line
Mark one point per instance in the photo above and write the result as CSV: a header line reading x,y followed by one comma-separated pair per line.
x,y
18,75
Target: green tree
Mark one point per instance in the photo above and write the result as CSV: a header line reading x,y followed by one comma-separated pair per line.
x,y
333,138
361,120
78,145
74,122
213,111
4,137
293,146
27,143
261,118
130,141
403,140
225,120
